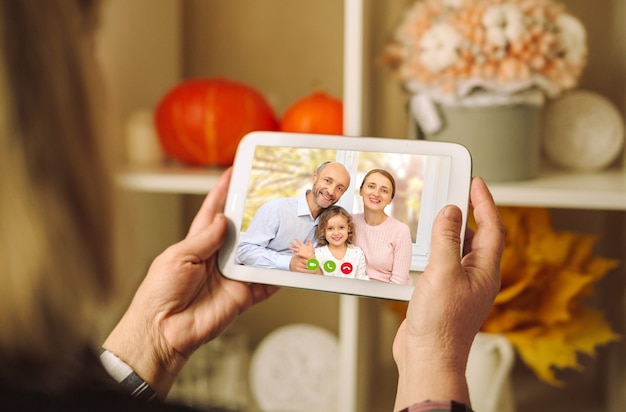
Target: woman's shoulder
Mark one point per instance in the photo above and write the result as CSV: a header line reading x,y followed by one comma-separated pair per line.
x,y
358,218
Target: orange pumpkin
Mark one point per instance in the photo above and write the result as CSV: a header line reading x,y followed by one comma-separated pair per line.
x,y
316,113
201,121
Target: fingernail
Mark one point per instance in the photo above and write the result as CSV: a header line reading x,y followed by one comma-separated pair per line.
x,y
452,213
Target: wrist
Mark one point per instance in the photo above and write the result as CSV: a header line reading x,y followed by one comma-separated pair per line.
x,y
431,382
429,373
124,375
146,353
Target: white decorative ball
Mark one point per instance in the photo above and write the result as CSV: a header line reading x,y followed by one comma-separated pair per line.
x,y
582,131
295,369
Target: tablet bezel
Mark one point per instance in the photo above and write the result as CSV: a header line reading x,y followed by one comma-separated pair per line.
x,y
458,194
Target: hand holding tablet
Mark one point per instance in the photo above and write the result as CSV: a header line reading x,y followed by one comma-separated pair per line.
x,y
365,204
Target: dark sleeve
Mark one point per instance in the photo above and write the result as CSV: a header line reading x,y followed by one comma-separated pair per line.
x,y
438,406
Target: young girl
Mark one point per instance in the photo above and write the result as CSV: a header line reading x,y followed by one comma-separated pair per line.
x,y
335,255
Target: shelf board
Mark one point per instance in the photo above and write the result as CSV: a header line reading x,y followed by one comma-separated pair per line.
x,y
604,190
169,178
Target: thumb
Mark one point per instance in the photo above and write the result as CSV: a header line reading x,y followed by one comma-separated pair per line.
x,y
445,253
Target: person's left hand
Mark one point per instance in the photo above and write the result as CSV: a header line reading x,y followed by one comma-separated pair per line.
x,y
302,249
183,301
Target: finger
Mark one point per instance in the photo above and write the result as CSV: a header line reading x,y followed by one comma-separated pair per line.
x,y
445,253
488,240
213,203
484,208
205,243
261,292
467,242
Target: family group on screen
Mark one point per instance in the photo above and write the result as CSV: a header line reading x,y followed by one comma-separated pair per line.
x,y
311,234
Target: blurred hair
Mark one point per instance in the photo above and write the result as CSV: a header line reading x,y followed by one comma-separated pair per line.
x,y
322,166
384,173
325,216
56,202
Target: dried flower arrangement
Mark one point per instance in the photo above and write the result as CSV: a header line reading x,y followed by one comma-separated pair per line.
x,y
494,50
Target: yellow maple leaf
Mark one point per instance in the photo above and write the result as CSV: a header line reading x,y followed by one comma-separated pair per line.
x,y
542,350
582,251
546,349
598,266
559,295
589,331
506,319
515,280
545,276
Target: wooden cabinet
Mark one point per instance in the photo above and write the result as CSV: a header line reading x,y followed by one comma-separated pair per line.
x,y
286,49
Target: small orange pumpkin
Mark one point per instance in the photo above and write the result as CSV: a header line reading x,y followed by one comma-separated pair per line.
x,y
201,121
316,113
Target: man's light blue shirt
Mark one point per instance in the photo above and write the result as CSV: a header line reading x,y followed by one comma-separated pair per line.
x,y
275,225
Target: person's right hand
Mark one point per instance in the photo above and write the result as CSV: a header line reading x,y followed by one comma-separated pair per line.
x,y
184,300
449,304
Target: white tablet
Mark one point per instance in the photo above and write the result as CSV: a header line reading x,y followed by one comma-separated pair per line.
x,y
357,210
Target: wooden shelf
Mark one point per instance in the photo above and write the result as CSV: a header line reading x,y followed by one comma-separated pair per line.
x,y
364,92
605,190
173,178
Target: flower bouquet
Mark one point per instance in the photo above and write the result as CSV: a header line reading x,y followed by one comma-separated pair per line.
x,y
485,51
479,72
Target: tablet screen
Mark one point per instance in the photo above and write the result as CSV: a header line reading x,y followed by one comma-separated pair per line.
x,y
421,185
290,189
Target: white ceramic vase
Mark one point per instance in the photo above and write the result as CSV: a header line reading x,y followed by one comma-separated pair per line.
x,y
489,373
503,139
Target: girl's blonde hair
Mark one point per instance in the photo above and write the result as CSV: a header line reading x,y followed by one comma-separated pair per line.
x,y
325,216
55,208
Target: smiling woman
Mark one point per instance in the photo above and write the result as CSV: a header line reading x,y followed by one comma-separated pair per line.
x,y
385,241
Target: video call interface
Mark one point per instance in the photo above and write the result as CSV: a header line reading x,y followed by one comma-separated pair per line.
x,y
422,183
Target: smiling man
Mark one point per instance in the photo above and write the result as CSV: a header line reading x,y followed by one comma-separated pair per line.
x,y
278,222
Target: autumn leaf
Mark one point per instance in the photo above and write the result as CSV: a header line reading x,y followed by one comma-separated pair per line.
x,y
559,296
519,277
546,276
545,350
